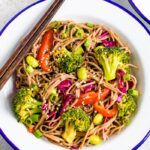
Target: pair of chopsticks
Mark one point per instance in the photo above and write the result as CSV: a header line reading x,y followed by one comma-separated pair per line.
x,y
26,44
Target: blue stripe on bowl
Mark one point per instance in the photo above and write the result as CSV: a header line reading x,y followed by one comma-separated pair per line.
x,y
138,11
8,141
128,12
109,1
142,141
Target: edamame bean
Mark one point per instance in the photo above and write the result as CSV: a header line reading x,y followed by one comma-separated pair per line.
x,y
29,69
82,73
32,61
98,119
95,139
79,51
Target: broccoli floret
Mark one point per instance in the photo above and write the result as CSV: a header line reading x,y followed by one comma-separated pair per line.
x,y
68,61
111,59
75,120
126,108
25,105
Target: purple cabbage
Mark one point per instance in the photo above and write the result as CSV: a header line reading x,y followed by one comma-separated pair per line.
x,y
45,106
130,84
120,73
66,100
103,34
119,98
74,147
52,115
64,85
87,88
108,44
123,90
121,83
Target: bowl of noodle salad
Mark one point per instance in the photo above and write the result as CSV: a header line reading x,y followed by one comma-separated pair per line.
x,y
76,86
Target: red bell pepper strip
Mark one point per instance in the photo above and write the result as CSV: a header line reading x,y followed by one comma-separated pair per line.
x,y
92,97
106,112
105,93
87,98
44,51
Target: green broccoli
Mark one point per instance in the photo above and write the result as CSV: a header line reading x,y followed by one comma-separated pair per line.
x,y
55,24
126,108
111,59
68,61
75,120
25,106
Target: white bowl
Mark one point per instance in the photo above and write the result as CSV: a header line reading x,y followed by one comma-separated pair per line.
x,y
107,13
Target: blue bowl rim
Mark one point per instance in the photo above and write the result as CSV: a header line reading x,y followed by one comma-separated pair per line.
x,y
139,11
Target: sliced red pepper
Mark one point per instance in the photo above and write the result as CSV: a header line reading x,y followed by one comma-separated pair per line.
x,y
92,97
105,93
87,98
106,112
44,63
44,51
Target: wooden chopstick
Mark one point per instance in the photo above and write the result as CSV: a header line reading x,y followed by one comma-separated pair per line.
x,y
27,43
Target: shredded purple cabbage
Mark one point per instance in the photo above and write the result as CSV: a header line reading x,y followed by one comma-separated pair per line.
x,y
64,85
108,44
123,90
74,147
119,98
103,34
120,73
88,88
52,115
66,100
45,106
130,84
121,83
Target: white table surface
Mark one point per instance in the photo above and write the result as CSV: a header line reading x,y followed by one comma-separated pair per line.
x,y
8,8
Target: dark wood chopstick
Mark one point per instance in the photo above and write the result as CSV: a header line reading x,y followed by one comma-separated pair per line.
x,y
27,43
